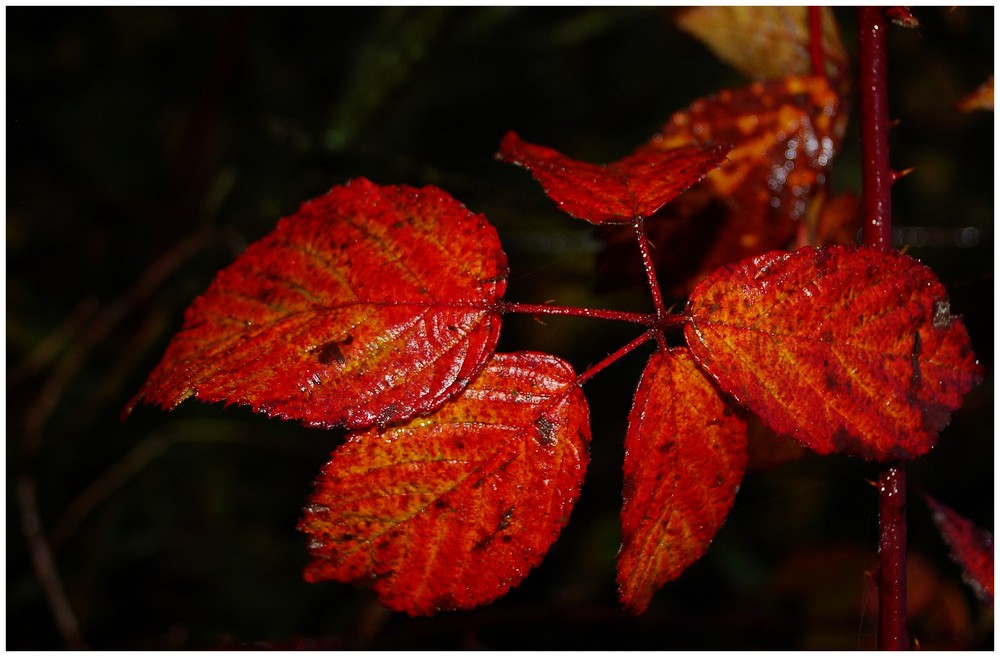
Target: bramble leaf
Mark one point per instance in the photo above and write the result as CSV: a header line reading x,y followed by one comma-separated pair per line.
x,y
453,509
369,305
617,193
845,349
971,547
785,134
766,42
685,453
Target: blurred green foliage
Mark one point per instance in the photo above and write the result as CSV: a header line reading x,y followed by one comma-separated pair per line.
x,y
147,146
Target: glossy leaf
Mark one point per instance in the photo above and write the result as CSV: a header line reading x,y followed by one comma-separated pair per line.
x,y
785,135
617,193
453,509
766,42
845,349
369,305
685,453
971,547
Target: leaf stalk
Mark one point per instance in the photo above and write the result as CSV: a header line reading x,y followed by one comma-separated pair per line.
x,y
645,319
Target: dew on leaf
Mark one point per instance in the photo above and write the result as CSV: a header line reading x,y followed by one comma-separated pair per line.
x,y
942,314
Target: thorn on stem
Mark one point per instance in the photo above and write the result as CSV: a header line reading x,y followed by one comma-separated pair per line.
x,y
896,175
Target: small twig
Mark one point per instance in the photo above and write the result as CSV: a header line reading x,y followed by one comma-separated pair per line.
x,y
37,414
102,489
40,552
49,348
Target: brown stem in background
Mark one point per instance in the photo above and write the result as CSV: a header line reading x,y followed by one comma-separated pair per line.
x,y
45,565
877,179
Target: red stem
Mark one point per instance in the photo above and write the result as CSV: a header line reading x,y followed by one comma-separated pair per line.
x,y
816,41
645,319
593,370
877,175
654,283
877,179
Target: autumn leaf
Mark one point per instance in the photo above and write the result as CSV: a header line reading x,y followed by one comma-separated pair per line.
x,y
369,305
685,453
971,547
766,42
617,193
453,509
831,220
785,135
980,99
845,349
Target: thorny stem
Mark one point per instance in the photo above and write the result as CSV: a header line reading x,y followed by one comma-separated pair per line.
x,y
877,175
877,179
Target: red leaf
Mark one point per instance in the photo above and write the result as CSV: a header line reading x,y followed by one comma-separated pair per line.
x,y
618,193
785,135
844,349
369,305
971,548
453,509
685,453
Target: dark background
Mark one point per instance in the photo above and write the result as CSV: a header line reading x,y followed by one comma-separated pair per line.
x,y
146,147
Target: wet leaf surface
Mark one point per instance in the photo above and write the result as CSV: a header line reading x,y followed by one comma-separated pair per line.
x,y
451,510
785,134
617,193
369,305
685,453
845,349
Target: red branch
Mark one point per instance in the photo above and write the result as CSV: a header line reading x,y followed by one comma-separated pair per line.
x,y
877,179
877,175
816,41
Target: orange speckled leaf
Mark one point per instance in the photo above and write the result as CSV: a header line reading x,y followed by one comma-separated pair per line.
x,y
785,134
369,305
618,193
845,349
453,509
971,547
685,453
